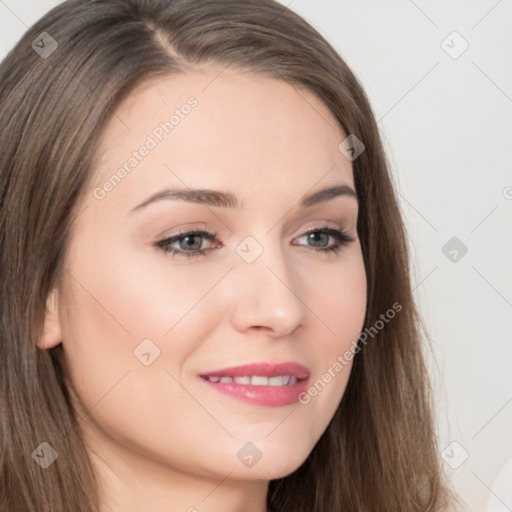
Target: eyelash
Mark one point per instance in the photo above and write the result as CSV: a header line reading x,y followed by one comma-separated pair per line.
x,y
341,237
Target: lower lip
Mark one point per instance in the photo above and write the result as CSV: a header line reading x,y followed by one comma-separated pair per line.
x,y
268,396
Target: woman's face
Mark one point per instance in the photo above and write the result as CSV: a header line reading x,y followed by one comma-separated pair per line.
x,y
142,321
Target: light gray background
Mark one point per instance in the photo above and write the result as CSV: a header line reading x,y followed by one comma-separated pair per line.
x,y
447,126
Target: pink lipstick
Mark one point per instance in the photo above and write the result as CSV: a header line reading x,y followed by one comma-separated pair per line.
x,y
267,384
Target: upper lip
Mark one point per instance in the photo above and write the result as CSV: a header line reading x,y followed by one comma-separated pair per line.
x,y
290,368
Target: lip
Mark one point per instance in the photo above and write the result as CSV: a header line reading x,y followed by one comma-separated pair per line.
x,y
268,396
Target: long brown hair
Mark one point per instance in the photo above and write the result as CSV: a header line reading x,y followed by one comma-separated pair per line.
x,y
379,451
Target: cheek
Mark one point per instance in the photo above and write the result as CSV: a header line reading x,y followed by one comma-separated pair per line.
x,y
340,307
120,308
109,314
338,296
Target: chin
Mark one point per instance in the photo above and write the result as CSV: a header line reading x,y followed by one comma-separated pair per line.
x,y
270,462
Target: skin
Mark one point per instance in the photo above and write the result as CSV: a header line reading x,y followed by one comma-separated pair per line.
x,y
159,437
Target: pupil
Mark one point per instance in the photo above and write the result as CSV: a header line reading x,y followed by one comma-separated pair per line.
x,y
188,237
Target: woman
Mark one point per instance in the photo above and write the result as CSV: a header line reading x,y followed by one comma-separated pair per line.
x,y
274,364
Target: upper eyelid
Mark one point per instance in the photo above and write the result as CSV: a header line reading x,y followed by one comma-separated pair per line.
x,y
205,232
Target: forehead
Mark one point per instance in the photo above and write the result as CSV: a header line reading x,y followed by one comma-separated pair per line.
x,y
231,91
240,125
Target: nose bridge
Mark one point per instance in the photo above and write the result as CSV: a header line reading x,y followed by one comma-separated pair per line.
x,y
266,289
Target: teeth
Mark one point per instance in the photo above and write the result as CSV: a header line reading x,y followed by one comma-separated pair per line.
x,y
242,380
257,380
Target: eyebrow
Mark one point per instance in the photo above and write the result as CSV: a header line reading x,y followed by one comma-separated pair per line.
x,y
228,200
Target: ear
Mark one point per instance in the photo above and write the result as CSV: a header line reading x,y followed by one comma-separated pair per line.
x,y
52,334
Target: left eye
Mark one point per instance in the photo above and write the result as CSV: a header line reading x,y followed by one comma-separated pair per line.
x,y
190,243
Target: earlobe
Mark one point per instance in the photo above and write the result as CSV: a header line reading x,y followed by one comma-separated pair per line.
x,y
52,334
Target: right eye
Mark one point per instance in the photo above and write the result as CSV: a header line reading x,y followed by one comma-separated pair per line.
x,y
190,237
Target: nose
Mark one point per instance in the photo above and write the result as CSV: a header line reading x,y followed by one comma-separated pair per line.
x,y
267,295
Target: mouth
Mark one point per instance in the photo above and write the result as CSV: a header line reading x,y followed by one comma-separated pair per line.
x,y
264,384
255,380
